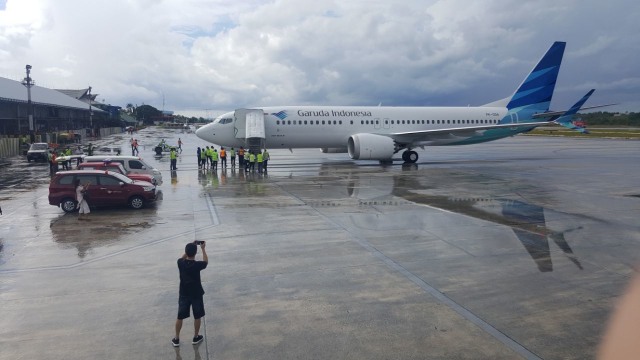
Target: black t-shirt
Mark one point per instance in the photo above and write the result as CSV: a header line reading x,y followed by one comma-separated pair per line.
x,y
190,284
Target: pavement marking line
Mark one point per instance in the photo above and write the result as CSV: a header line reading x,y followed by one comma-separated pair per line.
x,y
215,220
467,314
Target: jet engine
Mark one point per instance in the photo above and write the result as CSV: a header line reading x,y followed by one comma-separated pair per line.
x,y
371,147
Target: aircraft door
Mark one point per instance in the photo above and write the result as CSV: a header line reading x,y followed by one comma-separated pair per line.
x,y
376,123
514,120
248,123
386,123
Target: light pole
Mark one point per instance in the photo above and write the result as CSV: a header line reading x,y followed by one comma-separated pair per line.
x,y
28,83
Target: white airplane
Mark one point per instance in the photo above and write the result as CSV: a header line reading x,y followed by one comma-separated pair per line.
x,y
379,132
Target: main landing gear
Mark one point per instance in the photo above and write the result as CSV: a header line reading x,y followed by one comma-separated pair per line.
x,y
410,156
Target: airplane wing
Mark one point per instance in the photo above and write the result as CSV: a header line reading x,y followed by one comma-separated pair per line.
x,y
453,133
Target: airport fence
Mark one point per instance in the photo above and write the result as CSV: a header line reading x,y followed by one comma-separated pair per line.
x,y
9,147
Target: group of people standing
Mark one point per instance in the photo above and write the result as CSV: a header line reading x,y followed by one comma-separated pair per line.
x,y
209,157
55,163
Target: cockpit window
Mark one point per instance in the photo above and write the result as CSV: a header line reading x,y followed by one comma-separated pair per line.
x,y
226,120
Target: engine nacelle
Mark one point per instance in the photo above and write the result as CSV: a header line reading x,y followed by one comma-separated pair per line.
x,y
333,150
371,147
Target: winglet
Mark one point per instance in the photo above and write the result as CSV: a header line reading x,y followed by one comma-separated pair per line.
x,y
565,119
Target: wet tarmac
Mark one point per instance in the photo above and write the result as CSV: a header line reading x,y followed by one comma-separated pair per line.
x,y
512,249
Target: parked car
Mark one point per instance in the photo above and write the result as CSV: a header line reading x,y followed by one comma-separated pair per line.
x,y
106,188
133,164
38,152
116,167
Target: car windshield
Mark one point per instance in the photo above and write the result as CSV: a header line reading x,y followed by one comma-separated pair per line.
x,y
39,147
118,169
122,178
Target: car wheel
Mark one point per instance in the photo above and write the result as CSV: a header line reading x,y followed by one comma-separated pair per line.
x,y
136,202
68,205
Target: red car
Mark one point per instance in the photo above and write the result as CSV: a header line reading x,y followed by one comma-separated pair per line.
x,y
116,167
106,188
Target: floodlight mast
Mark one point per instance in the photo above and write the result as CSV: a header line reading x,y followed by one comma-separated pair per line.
x,y
28,83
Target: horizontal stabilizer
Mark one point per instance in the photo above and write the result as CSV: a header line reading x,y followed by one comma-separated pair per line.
x,y
566,118
552,114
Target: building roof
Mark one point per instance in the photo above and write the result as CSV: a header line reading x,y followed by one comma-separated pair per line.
x,y
74,93
11,90
83,95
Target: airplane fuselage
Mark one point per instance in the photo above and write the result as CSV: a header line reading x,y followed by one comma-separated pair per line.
x,y
331,126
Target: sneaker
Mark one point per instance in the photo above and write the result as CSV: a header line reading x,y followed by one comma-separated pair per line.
x,y
197,340
175,342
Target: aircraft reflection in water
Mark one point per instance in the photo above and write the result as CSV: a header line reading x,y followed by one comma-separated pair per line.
x,y
526,220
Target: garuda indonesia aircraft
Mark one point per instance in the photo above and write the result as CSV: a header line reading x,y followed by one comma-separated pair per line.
x,y
379,132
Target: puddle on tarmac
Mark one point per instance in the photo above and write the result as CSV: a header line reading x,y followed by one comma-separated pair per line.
x,y
98,231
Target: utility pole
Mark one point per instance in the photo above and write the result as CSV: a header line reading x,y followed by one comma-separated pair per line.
x,y
90,111
28,83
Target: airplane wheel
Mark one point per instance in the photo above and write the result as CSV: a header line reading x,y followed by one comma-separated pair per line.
x,y
411,157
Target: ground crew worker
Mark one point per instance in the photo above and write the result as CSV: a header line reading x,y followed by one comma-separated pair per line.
x,y
49,156
78,151
173,155
252,161
259,161
241,156
67,163
246,162
180,145
208,159
134,149
223,157
265,159
53,163
214,159
203,158
199,152
232,154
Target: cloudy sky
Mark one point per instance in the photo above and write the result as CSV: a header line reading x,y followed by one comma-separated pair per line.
x,y
205,57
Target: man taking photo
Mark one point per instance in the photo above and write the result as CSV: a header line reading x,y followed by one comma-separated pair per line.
x,y
191,290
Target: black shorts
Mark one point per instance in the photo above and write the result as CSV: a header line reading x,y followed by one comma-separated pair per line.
x,y
185,303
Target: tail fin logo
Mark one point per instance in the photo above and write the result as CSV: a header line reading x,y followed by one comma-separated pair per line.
x,y
535,93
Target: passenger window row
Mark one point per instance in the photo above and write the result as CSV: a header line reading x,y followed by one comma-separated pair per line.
x,y
377,122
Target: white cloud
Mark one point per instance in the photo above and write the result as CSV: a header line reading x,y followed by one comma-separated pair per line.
x,y
224,54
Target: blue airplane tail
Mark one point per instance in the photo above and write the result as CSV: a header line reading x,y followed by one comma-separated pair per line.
x,y
535,93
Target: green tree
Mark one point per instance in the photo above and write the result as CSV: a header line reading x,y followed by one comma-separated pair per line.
x,y
147,113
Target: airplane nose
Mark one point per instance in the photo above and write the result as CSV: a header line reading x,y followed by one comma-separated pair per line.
x,y
201,131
